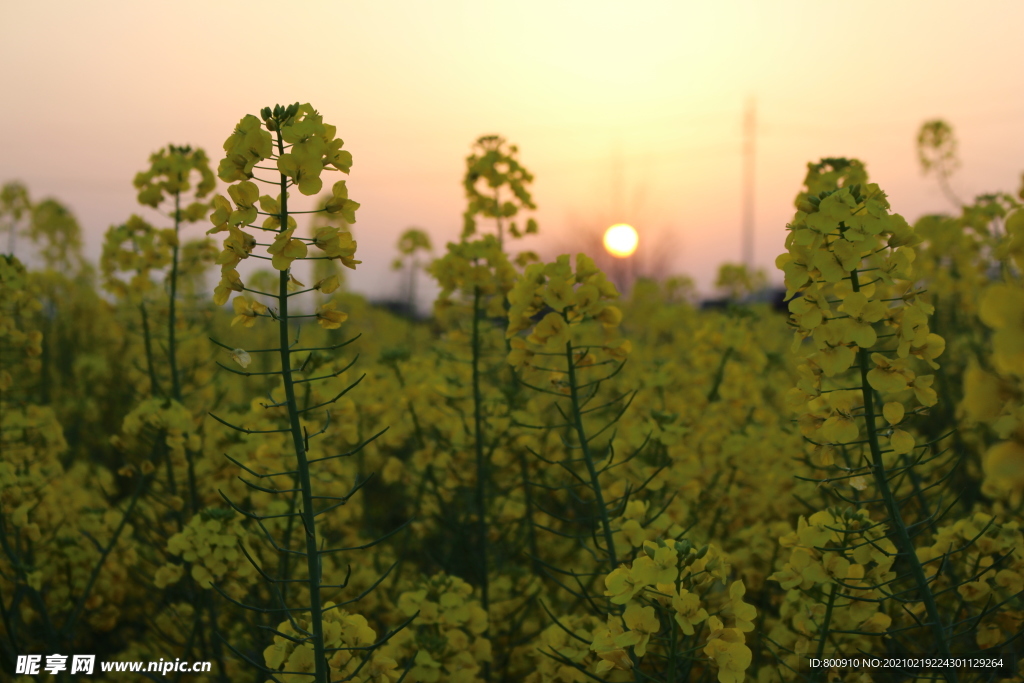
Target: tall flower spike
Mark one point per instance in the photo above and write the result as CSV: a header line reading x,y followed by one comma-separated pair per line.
x,y
491,168
312,149
861,324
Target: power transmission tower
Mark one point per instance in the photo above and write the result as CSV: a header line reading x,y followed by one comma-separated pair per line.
x,y
618,181
749,147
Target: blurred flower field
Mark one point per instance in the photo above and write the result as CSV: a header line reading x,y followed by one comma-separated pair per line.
x,y
546,480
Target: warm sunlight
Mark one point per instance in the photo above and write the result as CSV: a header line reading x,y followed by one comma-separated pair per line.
x,y
621,240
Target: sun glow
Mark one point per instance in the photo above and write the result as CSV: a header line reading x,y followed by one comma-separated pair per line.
x,y
621,240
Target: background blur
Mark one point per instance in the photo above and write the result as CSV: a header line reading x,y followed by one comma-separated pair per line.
x,y
624,111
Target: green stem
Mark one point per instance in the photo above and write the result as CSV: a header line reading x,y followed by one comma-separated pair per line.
x,y
218,650
12,236
420,487
478,429
171,314
284,562
67,632
308,510
47,362
824,630
172,348
481,466
673,657
154,386
497,216
970,488
581,433
947,189
410,302
719,375
204,606
531,529
904,544
189,644
762,610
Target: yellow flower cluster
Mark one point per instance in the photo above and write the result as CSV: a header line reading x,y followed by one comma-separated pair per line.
x,y
169,172
167,417
851,262
973,261
568,639
994,556
45,555
58,230
312,148
19,300
136,248
492,167
344,634
847,555
571,298
445,640
211,545
996,397
479,266
674,581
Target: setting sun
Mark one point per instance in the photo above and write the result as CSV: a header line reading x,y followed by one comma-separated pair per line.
x,y
621,240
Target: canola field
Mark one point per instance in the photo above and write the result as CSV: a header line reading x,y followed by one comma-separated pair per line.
x,y
545,481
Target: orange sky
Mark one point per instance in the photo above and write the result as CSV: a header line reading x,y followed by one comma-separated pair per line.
x,y
646,94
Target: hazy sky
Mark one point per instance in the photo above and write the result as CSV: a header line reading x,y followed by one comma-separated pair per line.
x,y
624,111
